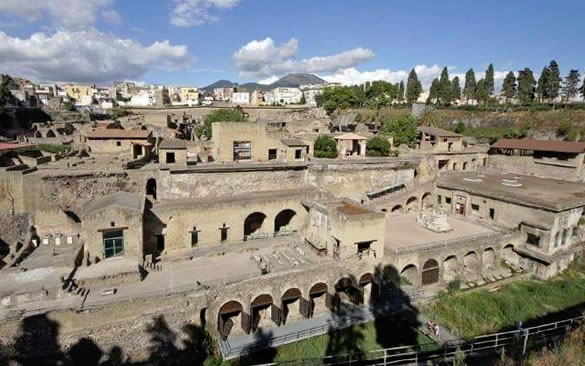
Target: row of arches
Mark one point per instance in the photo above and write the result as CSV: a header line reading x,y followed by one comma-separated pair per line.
x,y
264,311
470,266
412,203
255,222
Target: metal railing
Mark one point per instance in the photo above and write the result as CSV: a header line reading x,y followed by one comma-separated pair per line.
x,y
490,343
447,243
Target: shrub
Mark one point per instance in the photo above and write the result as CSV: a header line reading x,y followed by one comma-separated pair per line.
x,y
378,146
223,115
454,285
402,128
460,128
325,147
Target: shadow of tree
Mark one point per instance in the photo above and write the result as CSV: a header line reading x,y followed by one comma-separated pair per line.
x,y
262,341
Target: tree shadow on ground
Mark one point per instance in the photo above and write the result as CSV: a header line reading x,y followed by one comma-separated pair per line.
x,y
262,340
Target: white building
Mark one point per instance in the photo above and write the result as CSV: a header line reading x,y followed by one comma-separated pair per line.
x,y
223,94
310,92
285,96
142,99
242,98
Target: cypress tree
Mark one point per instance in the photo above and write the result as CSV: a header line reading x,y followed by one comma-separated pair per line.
x,y
544,84
434,92
413,87
481,93
455,89
526,86
571,85
509,86
470,88
445,87
401,92
554,80
490,81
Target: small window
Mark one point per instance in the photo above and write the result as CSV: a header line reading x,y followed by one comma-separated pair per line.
x,y
448,200
298,153
170,157
57,240
113,243
272,154
474,208
532,239
69,240
492,213
194,237
363,246
454,166
118,143
224,232
439,199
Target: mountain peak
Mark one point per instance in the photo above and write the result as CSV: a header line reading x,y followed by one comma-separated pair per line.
x,y
293,80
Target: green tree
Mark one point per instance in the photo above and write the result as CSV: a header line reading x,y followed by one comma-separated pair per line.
x,y
582,90
460,128
5,98
455,89
526,86
325,147
554,81
330,106
401,92
543,86
434,92
402,129
428,118
413,87
378,146
489,82
571,85
339,98
481,93
223,115
303,99
509,86
470,88
445,87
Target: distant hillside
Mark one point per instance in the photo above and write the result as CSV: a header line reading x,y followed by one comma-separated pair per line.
x,y
288,81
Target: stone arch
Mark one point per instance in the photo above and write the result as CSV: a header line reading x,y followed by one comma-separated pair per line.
x,y
410,273
231,314
510,256
263,312
471,259
285,219
565,236
384,210
430,272
557,239
253,223
346,291
50,133
451,268
368,287
489,259
151,187
473,163
291,305
464,166
396,208
427,199
411,203
319,299
38,134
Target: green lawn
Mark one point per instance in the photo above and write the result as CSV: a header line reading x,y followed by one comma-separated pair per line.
x,y
481,312
384,332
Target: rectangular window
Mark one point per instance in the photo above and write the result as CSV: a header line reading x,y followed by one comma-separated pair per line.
x,y
474,208
118,143
224,232
363,246
272,154
532,239
113,243
242,150
298,153
170,157
194,237
439,199
448,200
492,213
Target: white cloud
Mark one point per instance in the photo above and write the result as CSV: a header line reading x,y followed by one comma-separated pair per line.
x,y
111,16
65,14
263,59
189,13
86,56
268,80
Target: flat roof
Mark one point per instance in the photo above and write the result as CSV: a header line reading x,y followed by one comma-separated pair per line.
x,y
123,200
540,145
103,133
551,194
404,232
435,131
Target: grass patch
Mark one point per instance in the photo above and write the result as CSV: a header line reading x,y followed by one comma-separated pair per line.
x,y
52,148
384,332
481,312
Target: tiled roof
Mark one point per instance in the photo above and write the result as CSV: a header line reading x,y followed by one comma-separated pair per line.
x,y
293,142
172,144
435,131
540,145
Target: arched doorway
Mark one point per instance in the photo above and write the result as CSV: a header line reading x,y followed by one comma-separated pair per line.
x,y
410,274
510,256
231,315
291,305
450,268
284,220
471,269
263,312
489,259
319,299
427,199
397,208
346,292
368,288
253,224
151,188
412,203
430,272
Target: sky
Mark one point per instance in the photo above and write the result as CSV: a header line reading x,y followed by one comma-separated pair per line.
x,y
196,42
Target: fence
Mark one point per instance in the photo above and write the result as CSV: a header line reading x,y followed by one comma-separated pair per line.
x,y
491,343
447,243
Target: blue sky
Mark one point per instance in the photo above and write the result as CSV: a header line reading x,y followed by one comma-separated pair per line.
x,y
195,42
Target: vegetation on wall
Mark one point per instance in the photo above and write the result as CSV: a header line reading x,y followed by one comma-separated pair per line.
x,y
236,114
